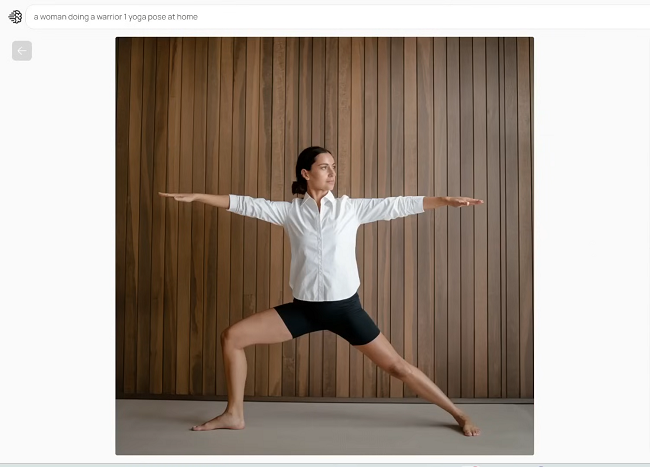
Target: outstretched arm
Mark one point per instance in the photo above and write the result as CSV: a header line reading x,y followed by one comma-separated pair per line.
x,y
274,212
433,202
220,201
385,209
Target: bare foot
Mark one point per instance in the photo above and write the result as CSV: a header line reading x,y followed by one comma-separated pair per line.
x,y
225,421
468,427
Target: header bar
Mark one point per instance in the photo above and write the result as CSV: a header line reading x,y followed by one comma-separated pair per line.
x,y
328,17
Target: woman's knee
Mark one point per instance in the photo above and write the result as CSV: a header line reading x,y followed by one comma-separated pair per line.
x,y
399,368
230,337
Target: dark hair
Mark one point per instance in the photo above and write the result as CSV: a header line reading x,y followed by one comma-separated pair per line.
x,y
305,160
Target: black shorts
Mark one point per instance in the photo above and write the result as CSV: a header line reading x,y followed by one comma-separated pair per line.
x,y
345,318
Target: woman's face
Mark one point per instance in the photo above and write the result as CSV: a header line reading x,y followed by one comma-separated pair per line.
x,y
322,175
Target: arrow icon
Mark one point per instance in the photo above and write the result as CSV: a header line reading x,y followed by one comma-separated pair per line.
x,y
21,50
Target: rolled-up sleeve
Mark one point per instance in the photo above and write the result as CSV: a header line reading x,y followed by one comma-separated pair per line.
x,y
385,209
274,212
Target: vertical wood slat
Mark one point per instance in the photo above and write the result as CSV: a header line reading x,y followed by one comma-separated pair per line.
x,y
224,219
530,349
170,352
237,173
316,340
123,80
410,222
383,191
264,191
197,286
145,195
493,205
290,158
440,215
133,216
185,219
277,193
357,189
480,304
304,140
188,125
331,139
454,344
251,151
396,181
158,226
525,226
512,219
211,338
467,304
426,238
502,186
370,278
396,226
343,182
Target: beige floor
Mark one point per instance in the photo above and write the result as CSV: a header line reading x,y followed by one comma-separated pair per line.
x,y
163,427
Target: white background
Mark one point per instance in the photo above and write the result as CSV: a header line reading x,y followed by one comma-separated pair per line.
x,y
591,256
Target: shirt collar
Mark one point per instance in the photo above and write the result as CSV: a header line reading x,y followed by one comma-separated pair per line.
x,y
328,197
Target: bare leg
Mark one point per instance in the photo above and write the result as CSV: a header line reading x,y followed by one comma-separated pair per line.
x,y
265,327
384,355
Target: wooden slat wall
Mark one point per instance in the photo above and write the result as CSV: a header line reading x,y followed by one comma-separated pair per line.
x,y
452,289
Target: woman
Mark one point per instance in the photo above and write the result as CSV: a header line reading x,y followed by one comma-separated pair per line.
x,y
324,279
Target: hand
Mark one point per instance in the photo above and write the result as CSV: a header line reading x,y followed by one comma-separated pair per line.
x,y
185,197
462,201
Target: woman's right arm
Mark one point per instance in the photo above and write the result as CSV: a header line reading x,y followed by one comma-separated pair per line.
x,y
274,212
220,201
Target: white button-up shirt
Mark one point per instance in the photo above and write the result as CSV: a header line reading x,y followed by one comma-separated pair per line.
x,y
323,244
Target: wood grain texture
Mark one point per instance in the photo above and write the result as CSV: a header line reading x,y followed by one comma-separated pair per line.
x,y
525,226
197,283
277,192
512,219
145,195
425,225
211,338
370,134
185,219
397,189
502,186
170,351
343,182
123,81
133,217
440,227
357,188
316,340
224,219
467,304
290,158
304,116
264,191
145,271
156,347
383,191
251,168
493,205
238,179
530,349
410,222
451,289
454,188
480,304
331,139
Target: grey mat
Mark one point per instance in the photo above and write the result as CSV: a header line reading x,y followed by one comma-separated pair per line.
x,y
154,427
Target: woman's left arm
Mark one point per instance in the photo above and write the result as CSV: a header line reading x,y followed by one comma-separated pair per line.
x,y
433,202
